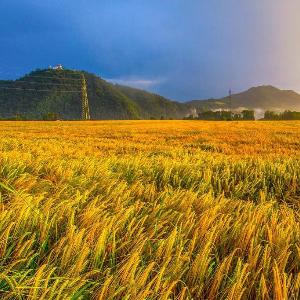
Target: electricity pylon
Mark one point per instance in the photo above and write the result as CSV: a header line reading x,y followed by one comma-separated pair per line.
x,y
85,100
230,103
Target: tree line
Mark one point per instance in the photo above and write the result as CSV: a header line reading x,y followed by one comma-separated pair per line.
x,y
286,115
223,115
245,115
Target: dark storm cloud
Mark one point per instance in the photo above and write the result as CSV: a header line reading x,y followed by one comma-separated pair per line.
x,y
182,49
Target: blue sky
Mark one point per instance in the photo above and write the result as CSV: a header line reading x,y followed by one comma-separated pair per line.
x,y
182,49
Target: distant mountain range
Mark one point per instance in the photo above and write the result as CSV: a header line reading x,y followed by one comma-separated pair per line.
x,y
58,92
258,98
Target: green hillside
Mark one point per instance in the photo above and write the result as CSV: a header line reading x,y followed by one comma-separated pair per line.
x,y
58,93
154,106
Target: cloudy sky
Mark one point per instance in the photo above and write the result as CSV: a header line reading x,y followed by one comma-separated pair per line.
x,y
182,49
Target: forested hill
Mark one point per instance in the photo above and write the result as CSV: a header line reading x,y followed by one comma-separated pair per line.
x,y
44,93
58,92
153,105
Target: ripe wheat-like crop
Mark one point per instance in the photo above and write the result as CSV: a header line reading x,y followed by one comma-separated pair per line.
x,y
150,210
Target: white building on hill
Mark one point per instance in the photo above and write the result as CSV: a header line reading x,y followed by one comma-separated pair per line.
x,y
57,67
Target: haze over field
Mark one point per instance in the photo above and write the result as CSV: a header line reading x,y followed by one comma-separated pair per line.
x,y
181,49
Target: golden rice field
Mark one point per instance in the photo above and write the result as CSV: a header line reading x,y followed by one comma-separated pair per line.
x,y
150,210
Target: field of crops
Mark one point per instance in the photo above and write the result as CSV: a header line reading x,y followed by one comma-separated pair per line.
x,y
150,210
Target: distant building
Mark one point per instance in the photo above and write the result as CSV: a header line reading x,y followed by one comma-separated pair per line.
x,y
57,67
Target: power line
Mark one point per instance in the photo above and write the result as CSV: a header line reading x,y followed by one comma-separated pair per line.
x,y
57,78
35,90
36,82
83,91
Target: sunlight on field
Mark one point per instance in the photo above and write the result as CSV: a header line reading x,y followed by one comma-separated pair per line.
x,y
149,210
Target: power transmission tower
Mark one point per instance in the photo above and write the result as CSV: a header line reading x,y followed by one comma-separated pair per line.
x,y
230,99
85,100
230,103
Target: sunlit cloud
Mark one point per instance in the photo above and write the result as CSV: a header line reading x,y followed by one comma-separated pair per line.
x,y
140,83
